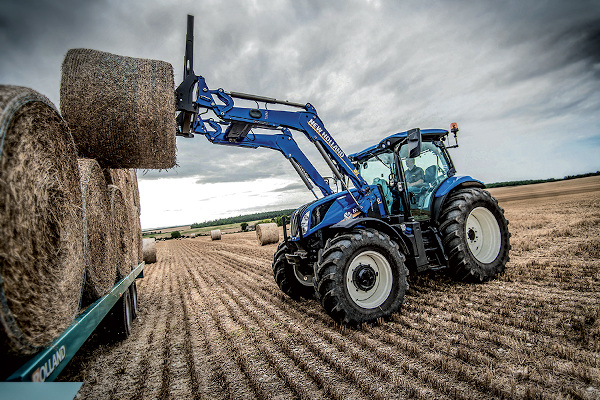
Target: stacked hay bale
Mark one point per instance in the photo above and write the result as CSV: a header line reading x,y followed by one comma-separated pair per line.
x,y
126,180
149,250
98,233
41,250
118,111
121,112
267,233
215,234
123,230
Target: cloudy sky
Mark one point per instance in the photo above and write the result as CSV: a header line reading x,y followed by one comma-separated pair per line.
x,y
521,78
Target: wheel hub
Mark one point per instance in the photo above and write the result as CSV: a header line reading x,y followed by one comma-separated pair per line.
x,y
471,234
364,277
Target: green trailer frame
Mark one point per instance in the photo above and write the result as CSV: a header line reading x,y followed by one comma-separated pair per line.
x,y
48,363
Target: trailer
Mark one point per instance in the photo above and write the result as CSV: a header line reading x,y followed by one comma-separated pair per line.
x,y
116,309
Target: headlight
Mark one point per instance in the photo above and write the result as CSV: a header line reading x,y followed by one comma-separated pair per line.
x,y
304,222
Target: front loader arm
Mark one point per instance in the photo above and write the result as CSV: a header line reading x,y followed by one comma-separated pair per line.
x,y
241,120
193,94
282,142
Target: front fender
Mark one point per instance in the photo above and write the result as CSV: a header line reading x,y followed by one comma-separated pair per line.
x,y
374,223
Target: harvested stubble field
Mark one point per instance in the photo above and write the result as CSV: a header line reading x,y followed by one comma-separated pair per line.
x,y
214,325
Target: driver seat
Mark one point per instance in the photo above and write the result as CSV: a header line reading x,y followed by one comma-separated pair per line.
x,y
430,174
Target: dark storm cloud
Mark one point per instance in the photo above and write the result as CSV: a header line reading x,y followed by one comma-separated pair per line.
x,y
371,68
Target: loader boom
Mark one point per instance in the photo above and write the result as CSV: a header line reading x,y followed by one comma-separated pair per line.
x,y
240,121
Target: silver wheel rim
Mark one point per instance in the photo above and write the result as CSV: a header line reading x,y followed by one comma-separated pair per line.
x,y
306,280
379,293
483,235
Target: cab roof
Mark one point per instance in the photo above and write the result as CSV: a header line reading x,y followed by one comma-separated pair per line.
x,y
427,135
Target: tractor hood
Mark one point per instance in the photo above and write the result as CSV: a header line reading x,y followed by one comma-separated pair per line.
x,y
328,211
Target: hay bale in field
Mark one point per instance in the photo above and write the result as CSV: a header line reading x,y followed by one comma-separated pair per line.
x,y
123,231
215,234
149,249
41,245
99,245
267,233
192,235
121,110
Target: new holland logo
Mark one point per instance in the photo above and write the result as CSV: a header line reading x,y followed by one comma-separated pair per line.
x,y
43,372
328,139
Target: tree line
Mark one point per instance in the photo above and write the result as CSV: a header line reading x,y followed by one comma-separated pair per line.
x,y
532,181
267,215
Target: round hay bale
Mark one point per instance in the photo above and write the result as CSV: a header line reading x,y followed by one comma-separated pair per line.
x,y
122,231
121,110
99,245
126,180
149,249
41,250
215,234
267,233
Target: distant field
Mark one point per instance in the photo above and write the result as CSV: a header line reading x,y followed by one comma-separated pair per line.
x,y
214,325
186,230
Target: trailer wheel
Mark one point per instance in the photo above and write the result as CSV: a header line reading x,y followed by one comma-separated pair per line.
x,y
475,235
121,317
361,276
291,280
134,300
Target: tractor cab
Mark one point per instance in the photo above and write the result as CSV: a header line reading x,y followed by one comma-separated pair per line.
x,y
407,175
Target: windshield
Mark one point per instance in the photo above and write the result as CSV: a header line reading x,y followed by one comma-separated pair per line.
x,y
380,170
379,166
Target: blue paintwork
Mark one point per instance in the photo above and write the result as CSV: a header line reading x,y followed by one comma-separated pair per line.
x,y
342,208
453,182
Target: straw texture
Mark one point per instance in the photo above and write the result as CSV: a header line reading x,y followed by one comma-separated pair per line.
x,y
121,110
122,231
215,234
41,245
99,246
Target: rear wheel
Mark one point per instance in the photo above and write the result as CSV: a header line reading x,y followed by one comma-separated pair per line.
x,y
134,300
293,280
121,317
474,235
361,277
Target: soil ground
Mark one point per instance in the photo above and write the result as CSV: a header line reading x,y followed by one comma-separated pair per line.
x,y
214,325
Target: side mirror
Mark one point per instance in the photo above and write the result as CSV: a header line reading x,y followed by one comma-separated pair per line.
x,y
414,142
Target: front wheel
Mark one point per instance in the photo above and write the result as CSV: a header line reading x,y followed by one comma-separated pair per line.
x,y
361,277
474,235
294,281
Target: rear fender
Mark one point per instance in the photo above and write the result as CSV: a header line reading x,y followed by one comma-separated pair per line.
x,y
448,187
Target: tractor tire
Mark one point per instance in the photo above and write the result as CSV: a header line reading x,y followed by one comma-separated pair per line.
x,y
290,280
475,235
361,277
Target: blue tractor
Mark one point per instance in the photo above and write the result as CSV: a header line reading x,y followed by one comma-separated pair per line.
x,y
400,206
